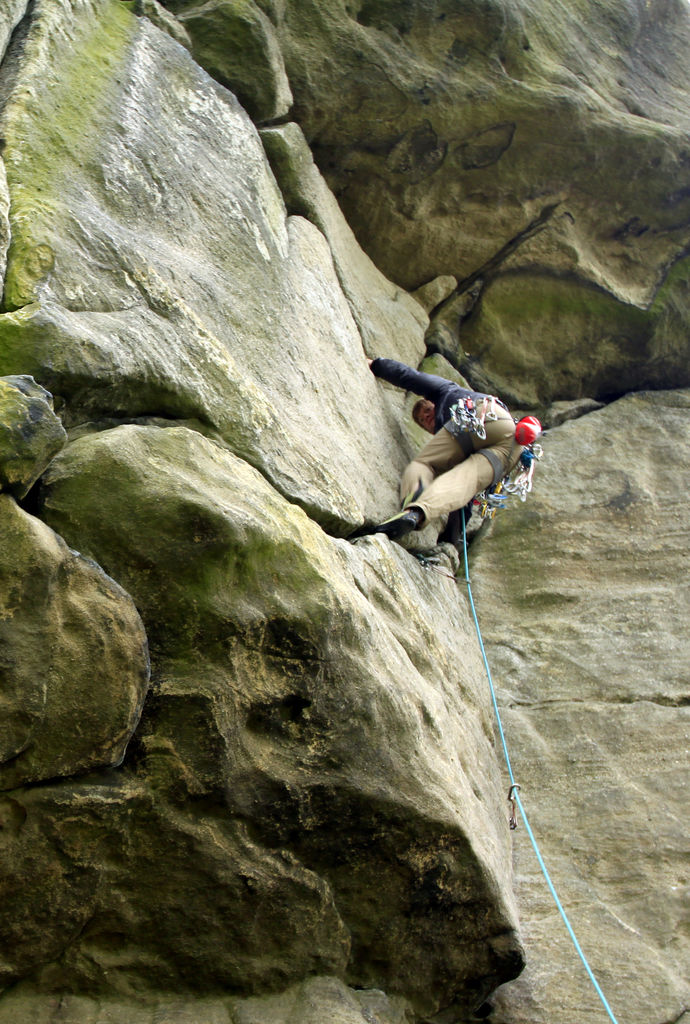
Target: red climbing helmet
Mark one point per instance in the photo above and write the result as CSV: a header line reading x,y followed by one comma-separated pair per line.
x,y
527,430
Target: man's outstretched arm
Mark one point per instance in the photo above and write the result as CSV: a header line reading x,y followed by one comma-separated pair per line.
x,y
426,384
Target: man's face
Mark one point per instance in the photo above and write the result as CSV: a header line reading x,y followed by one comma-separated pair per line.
x,y
426,416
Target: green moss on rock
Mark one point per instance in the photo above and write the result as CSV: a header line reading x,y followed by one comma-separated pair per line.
x,y
46,132
540,338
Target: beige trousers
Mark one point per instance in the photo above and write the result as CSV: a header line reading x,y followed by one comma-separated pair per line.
x,y
449,478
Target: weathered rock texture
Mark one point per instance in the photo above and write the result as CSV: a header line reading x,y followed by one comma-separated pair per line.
x,y
297,749
283,789
74,663
10,16
306,820
384,312
590,656
291,703
312,1002
237,44
447,128
30,433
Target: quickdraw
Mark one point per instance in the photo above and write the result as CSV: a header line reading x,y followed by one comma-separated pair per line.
x,y
522,484
490,500
493,498
512,819
468,416
431,562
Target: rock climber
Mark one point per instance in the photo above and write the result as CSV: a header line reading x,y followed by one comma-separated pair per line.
x,y
456,464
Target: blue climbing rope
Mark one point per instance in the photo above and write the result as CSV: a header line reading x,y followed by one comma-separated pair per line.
x,y
514,788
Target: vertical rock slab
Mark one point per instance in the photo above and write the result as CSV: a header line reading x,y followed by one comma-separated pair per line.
x,y
73,657
391,322
584,600
153,269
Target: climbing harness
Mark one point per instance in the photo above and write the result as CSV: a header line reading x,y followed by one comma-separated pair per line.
x,y
514,797
469,416
496,496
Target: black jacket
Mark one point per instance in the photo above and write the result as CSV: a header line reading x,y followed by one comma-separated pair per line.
x,y
443,393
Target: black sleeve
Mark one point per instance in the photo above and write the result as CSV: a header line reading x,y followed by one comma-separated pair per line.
x,y
425,384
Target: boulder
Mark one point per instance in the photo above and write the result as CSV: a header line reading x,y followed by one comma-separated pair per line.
x,y
11,14
327,695
582,595
119,892
561,412
74,665
164,20
432,293
540,338
236,43
30,433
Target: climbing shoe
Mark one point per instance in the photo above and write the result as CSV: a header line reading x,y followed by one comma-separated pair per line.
x,y
400,524
413,495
